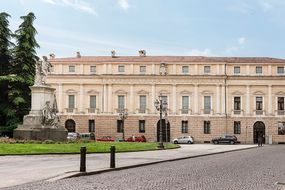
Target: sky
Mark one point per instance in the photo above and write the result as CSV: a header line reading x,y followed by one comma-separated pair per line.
x,y
251,28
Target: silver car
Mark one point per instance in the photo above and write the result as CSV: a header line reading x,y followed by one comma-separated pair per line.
x,y
184,140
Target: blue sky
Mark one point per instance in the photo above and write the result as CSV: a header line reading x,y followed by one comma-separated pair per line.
x,y
161,27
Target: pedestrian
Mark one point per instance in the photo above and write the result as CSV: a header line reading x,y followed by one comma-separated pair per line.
x,y
259,139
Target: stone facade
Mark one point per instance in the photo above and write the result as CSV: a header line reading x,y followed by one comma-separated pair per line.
x,y
226,91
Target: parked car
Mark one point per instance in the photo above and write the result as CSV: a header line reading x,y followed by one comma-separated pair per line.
x,y
232,139
105,138
87,136
72,136
183,140
136,139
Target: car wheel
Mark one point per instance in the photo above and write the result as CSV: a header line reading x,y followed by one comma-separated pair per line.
x,y
216,142
175,142
189,142
232,142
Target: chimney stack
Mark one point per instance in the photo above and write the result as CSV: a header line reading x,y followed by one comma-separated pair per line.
x,y
78,54
113,53
51,55
142,53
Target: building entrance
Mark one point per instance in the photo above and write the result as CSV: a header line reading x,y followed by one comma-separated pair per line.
x,y
258,129
70,125
165,131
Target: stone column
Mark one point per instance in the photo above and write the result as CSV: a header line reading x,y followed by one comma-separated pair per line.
x,y
81,99
60,69
153,69
110,100
105,98
218,98
247,99
131,106
81,69
196,99
247,70
174,69
59,101
269,99
174,102
131,69
153,98
110,69
223,99
269,70
196,69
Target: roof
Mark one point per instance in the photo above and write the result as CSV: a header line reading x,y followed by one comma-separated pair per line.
x,y
168,59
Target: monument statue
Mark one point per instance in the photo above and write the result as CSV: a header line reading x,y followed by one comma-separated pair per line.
x,y
43,67
42,122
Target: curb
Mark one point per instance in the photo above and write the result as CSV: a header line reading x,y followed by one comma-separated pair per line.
x,y
143,164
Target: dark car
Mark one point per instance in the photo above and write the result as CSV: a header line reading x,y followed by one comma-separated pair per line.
x,y
225,139
136,139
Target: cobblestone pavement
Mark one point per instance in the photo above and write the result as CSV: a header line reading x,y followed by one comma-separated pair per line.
x,y
253,169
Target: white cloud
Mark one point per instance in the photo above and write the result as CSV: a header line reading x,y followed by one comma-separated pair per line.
x,y
240,7
205,52
79,5
232,49
124,4
241,40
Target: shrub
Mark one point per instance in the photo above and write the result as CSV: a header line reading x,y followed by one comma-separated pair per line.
x,y
48,142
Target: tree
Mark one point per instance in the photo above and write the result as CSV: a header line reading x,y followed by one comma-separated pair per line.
x,y
24,60
5,67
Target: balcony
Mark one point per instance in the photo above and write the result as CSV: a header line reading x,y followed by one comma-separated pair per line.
x,y
142,111
279,112
259,112
237,112
93,110
70,110
185,111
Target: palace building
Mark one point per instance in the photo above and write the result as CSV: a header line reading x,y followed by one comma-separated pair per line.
x,y
206,96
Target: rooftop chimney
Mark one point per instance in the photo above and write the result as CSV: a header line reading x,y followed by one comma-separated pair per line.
x,y
52,56
113,53
78,54
142,53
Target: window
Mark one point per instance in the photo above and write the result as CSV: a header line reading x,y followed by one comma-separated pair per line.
x,y
236,105
142,126
184,127
142,104
207,127
142,69
281,128
91,126
280,105
185,104
185,69
280,70
207,104
207,69
92,101
71,101
237,70
258,70
120,126
121,68
71,68
121,103
236,127
259,103
92,69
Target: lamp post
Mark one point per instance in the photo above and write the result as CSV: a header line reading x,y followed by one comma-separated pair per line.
x,y
123,115
160,106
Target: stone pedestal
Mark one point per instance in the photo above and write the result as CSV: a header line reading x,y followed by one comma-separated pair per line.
x,y
32,128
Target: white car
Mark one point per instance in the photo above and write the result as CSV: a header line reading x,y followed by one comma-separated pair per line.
x,y
72,136
184,140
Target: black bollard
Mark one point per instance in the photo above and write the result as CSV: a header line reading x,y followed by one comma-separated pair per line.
x,y
112,160
83,159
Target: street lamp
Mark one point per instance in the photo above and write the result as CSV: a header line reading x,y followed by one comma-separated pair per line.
x,y
160,106
123,115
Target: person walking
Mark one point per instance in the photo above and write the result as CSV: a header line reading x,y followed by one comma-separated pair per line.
x,y
259,139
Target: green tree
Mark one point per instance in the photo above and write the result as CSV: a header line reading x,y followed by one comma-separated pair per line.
x,y
5,68
24,60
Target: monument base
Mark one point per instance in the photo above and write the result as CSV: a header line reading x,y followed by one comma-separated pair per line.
x,y
40,134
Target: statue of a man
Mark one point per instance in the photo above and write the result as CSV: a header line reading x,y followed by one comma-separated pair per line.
x,y
45,69
47,114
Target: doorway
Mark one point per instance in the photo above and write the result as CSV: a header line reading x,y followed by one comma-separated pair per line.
x,y
70,125
165,131
258,129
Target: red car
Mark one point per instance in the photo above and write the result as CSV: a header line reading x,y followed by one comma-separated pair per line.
x,y
105,138
136,139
